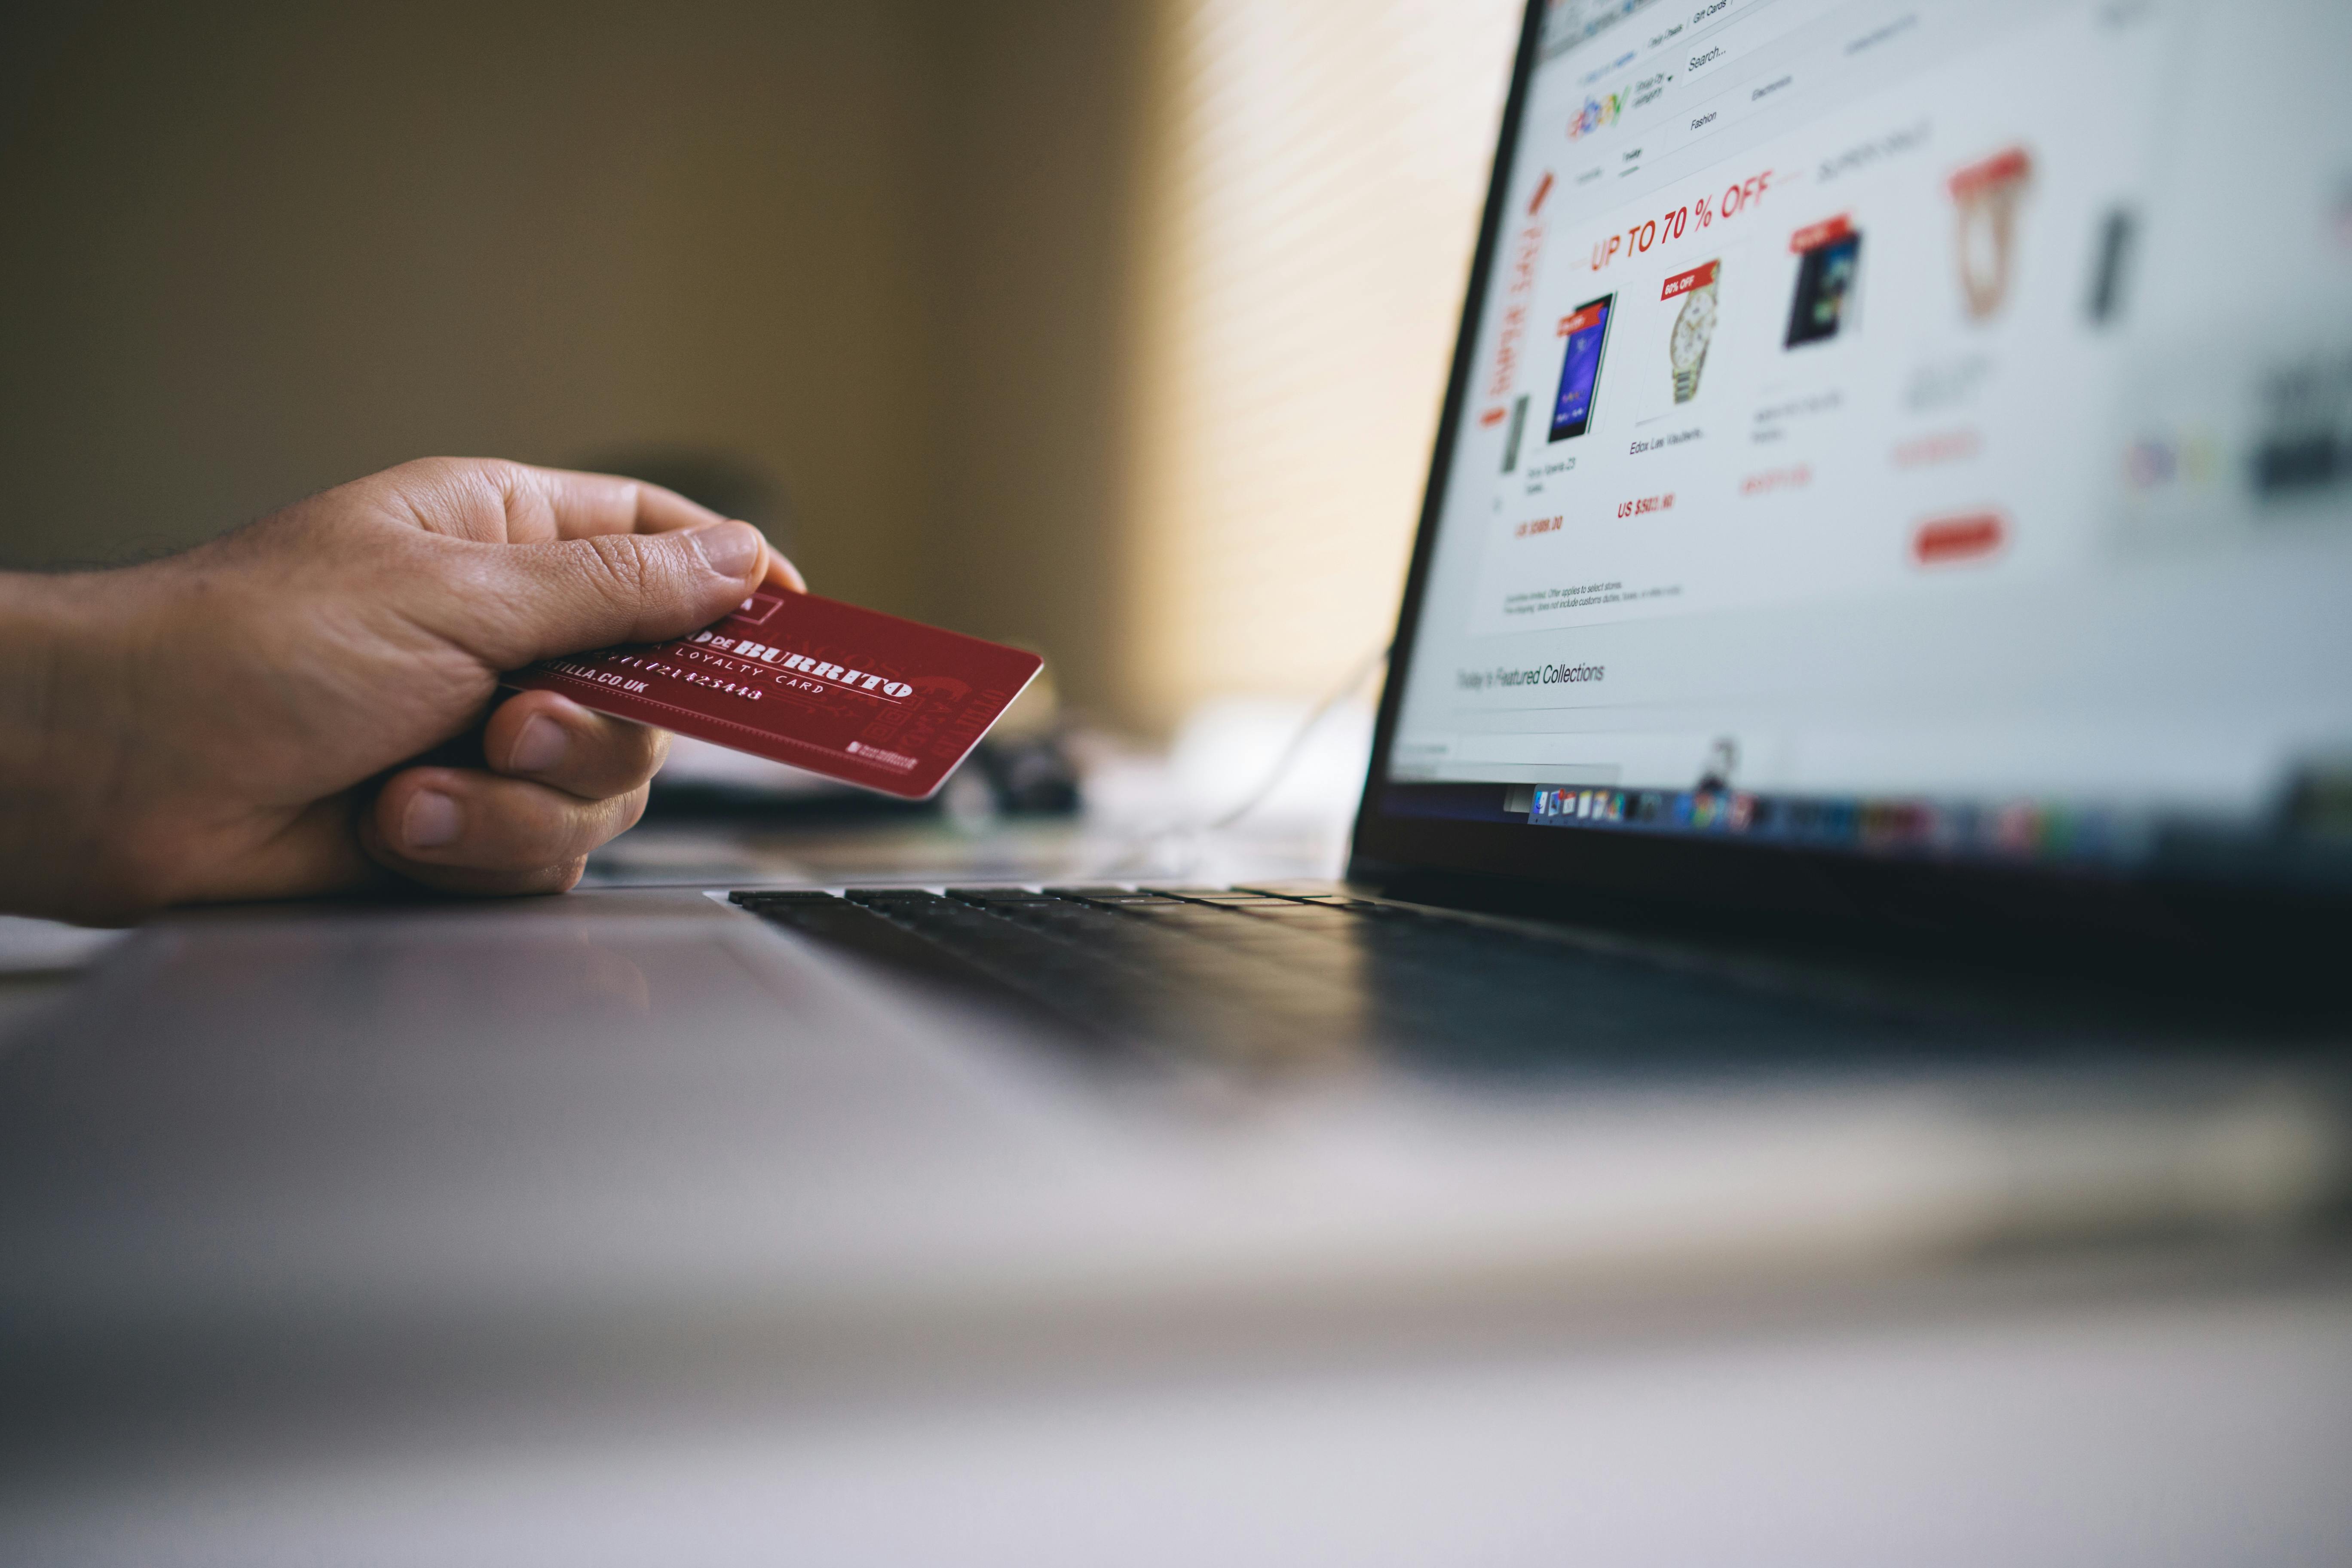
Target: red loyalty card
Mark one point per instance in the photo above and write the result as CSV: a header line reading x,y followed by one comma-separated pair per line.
x,y
849,693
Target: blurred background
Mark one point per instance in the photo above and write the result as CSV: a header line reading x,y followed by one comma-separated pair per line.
x,y
1116,329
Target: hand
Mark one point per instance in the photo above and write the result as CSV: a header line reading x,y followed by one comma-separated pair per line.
x,y
253,720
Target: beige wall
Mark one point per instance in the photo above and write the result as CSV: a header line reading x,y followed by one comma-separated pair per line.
x,y
1028,437
1111,327
254,250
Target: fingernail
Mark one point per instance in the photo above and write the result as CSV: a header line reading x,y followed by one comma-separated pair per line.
x,y
731,548
431,820
539,746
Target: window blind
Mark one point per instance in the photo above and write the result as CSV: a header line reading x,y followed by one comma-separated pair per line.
x,y
1310,202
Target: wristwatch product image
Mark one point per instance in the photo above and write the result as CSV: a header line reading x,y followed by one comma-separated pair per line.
x,y
1987,194
1693,327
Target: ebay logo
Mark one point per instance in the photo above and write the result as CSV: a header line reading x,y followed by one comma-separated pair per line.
x,y
1596,113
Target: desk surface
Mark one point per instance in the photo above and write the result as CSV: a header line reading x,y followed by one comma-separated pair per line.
x,y
2149,1400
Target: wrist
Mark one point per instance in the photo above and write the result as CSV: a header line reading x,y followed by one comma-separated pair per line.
x,y
61,747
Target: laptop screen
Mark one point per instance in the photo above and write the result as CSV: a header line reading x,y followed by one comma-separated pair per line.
x,y
1904,427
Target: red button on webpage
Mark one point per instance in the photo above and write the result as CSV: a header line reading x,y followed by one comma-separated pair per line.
x,y
1949,539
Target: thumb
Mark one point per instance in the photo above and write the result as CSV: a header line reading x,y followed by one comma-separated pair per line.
x,y
542,600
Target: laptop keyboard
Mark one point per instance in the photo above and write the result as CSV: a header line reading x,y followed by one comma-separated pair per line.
x,y
1267,979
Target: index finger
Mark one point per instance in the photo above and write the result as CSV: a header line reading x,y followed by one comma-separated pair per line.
x,y
567,503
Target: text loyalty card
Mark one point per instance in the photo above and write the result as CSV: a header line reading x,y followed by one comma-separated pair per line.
x,y
849,693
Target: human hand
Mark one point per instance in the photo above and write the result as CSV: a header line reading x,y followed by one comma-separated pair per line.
x,y
282,712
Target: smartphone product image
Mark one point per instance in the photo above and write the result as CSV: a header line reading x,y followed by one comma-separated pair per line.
x,y
1587,331
1831,256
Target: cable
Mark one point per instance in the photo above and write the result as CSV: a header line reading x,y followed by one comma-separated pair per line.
x,y
1294,748
1298,738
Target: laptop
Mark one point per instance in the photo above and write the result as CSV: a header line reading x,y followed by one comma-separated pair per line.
x,y
1863,784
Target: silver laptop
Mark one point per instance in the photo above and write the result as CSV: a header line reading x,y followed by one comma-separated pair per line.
x,y
1864,782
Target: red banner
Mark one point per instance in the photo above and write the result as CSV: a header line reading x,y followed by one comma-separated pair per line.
x,y
1587,317
1813,235
1997,170
1683,282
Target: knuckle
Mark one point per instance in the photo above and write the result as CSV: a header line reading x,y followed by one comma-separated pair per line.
x,y
657,744
555,840
448,481
619,564
639,752
435,468
555,876
497,474
417,474
517,485
510,833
